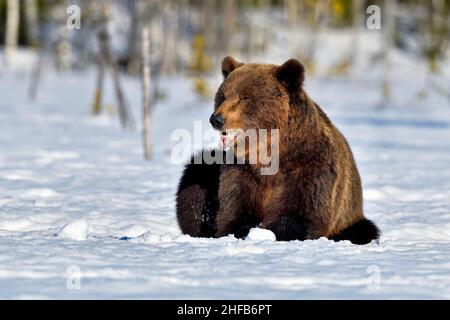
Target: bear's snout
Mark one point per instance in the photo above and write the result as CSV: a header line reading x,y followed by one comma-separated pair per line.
x,y
217,121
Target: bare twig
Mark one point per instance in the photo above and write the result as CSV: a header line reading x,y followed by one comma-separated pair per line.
x,y
126,117
146,92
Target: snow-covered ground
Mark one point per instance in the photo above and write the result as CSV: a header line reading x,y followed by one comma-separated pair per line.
x,y
83,216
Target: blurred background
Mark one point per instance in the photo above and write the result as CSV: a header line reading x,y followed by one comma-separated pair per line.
x,y
189,37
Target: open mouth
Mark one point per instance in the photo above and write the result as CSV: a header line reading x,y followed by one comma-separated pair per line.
x,y
227,138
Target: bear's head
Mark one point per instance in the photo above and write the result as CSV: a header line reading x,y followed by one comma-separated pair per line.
x,y
255,96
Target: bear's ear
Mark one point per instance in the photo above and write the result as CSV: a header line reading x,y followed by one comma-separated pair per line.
x,y
229,64
291,74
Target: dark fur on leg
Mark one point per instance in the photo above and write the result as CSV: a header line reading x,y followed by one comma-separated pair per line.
x,y
197,201
288,229
362,232
242,227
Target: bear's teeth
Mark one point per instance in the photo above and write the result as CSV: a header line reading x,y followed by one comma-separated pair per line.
x,y
227,138
223,143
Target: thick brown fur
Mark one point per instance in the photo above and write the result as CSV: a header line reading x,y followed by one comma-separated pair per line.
x,y
317,190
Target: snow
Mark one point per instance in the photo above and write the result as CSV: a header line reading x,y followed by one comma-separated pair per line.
x,y
257,234
66,173
77,230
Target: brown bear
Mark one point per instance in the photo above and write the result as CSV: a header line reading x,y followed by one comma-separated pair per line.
x,y
315,193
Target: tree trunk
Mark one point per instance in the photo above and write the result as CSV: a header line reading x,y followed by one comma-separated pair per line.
x,y
358,21
64,49
146,116
320,25
36,77
230,25
291,10
389,30
169,63
31,17
12,28
207,27
134,8
125,114
98,97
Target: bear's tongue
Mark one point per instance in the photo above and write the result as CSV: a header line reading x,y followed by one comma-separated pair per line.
x,y
226,139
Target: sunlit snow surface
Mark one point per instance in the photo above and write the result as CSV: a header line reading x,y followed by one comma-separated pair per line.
x,y
59,166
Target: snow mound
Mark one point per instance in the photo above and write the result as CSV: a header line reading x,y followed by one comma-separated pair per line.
x,y
16,224
257,234
44,193
77,230
148,237
133,231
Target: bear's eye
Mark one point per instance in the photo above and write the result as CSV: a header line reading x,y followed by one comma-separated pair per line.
x,y
220,98
245,98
